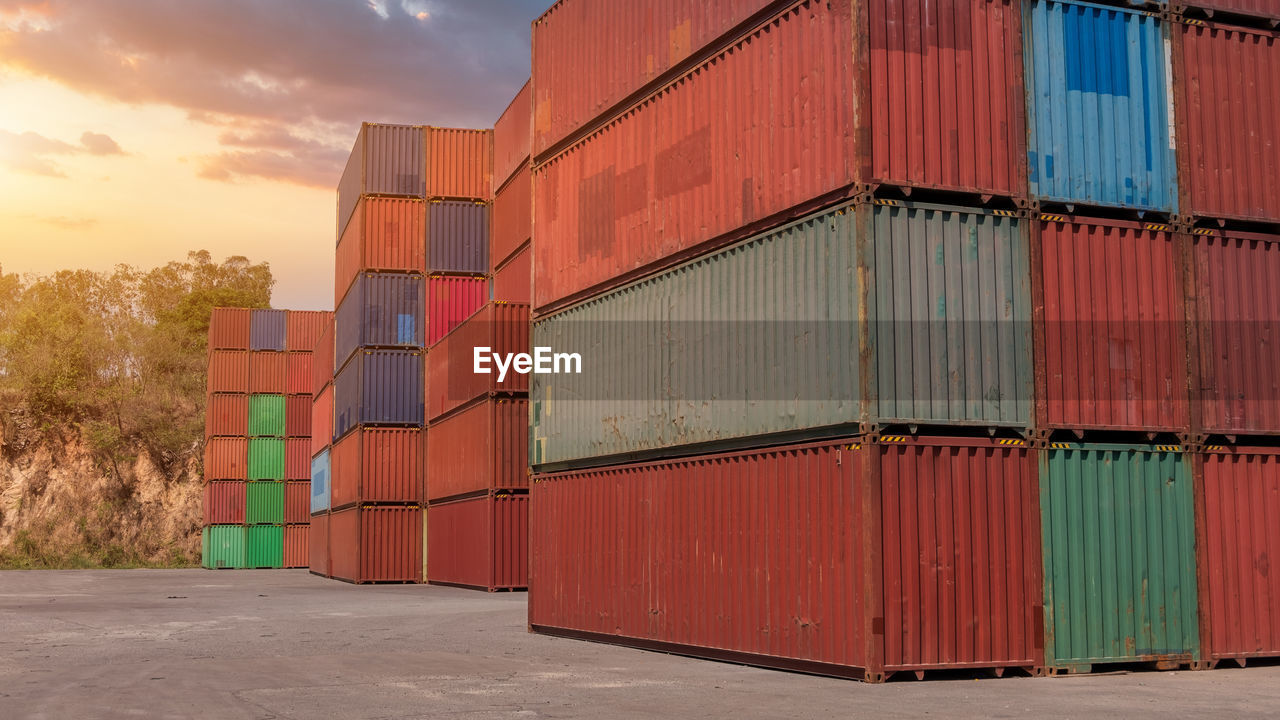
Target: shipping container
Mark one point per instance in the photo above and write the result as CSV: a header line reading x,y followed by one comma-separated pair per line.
x,y
297,500
838,557
377,465
298,374
1119,556
318,557
1100,129
223,546
385,160
459,163
450,300
297,546
322,421
480,542
264,546
322,366
303,328
503,329
376,544
378,387
458,236
224,502
513,282
512,217
482,447
229,329
267,330
1247,9
1237,327
1113,326
226,458
267,372
267,415
590,56
228,371
1240,598
264,502
266,459
297,417
297,460
227,416
1227,81
321,484
385,235
512,135
381,310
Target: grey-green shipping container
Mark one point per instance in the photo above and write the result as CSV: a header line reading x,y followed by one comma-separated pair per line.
x,y
222,546
264,502
264,546
1119,556
266,459
266,415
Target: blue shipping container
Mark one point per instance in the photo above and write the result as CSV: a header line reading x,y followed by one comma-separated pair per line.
x,y
267,330
1098,105
457,236
378,387
320,489
380,310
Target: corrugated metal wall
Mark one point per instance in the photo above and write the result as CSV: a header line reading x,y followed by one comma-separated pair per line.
x,y
264,546
229,329
480,542
512,136
386,234
266,415
452,381
376,544
377,465
226,416
228,371
303,328
450,300
267,330
322,420
318,560
1259,8
224,502
378,387
264,502
321,486
512,217
226,458
267,372
385,160
266,458
458,236
381,310
459,163
481,447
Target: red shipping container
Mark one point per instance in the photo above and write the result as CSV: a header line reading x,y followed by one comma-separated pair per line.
x,y
298,375
318,539
322,421
479,448
229,329
790,557
512,218
322,359
1254,8
1237,325
450,300
623,45
297,500
226,459
1228,139
267,372
227,416
224,502
303,328
377,465
297,546
481,542
1237,510
512,136
459,163
451,380
1112,326
297,461
228,371
385,235
513,282
376,543
297,416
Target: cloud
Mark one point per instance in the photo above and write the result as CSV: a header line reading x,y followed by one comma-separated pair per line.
x,y
99,144
31,153
313,68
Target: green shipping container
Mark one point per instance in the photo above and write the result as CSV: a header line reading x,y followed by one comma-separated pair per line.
x,y
1119,556
266,415
222,546
264,503
266,459
265,546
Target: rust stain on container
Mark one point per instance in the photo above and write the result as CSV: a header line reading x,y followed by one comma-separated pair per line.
x,y
228,371
451,380
267,372
227,416
377,465
459,163
224,502
384,235
376,543
479,542
512,137
482,447
229,329
226,458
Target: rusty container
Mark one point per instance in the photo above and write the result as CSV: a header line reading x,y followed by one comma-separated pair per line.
x,y
513,282
322,359
318,539
224,502
297,500
297,416
376,544
322,420
267,372
512,218
298,373
459,163
267,329
385,160
297,459
228,371
385,235
303,328
479,542
297,546
512,137
458,236
481,447
226,458
451,365
229,329
377,465
450,300
226,416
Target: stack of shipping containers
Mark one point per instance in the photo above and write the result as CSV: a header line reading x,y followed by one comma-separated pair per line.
x,y
920,327
257,438
321,437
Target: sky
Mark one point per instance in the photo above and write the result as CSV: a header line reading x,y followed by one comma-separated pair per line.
x,y
133,131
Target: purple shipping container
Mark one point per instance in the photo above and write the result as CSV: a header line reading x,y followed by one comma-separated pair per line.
x,y
386,160
458,236
378,387
267,330
381,310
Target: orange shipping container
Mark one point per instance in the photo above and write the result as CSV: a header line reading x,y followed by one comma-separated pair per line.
x,y
459,163
376,544
512,135
224,502
297,461
303,327
512,218
382,465
267,372
297,501
386,235
479,448
322,421
228,371
298,374
227,416
229,329
451,380
226,459
318,539
480,542
297,416
297,546
513,282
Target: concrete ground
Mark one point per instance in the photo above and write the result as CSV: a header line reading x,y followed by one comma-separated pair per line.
x,y
286,644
